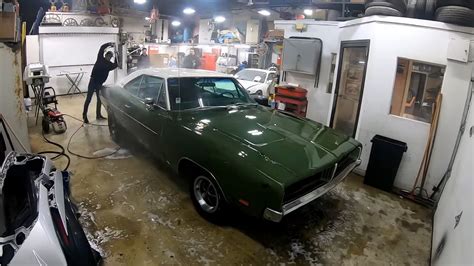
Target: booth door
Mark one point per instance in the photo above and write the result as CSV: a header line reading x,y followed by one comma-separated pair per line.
x,y
350,86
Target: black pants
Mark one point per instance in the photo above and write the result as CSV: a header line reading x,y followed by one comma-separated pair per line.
x,y
93,87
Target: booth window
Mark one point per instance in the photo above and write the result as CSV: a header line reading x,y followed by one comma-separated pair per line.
x,y
417,84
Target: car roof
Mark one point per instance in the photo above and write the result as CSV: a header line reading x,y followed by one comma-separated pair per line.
x,y
179,73
258,69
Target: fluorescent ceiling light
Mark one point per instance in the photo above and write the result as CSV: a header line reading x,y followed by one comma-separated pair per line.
x,y
139,1
219,19
176,23
308,12
264,12
189,11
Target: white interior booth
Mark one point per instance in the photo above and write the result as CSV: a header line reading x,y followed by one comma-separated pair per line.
x,y
384,83
70,50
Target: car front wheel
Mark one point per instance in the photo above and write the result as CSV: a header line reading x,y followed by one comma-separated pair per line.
x,y
207,198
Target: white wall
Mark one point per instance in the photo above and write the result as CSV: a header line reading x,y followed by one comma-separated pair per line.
x,y
32,49
319,100
388,42
457,197
76,51
11,96
391,38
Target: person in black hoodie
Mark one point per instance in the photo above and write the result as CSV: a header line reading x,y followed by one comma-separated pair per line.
x,y
99,75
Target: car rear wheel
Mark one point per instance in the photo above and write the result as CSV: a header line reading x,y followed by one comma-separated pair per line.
x,y
207,198
113,128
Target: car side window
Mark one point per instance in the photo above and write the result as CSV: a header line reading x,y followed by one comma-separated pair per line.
x,y
271,77
134,85
162,99
150,87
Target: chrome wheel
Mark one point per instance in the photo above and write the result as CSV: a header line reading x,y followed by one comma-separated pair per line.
x,y
206,194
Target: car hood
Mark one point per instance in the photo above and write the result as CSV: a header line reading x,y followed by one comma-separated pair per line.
x,y
248,84
301,146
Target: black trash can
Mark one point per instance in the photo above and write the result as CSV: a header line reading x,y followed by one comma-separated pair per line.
x,y
385,158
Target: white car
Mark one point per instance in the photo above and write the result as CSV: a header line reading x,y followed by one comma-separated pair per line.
x,y
38,222
256,81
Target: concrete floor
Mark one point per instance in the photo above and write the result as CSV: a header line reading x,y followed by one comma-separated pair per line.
x,y
137,212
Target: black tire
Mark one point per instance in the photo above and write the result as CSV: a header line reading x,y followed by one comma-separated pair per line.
x,y
383,11
45,126
430,9
259,92
464,3
114,130
399,5
214,214
411,9
455,15
420,9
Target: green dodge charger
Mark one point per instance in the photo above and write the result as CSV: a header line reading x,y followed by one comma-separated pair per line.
x,y
266,163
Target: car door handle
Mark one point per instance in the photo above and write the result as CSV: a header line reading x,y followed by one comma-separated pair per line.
x,y
127,106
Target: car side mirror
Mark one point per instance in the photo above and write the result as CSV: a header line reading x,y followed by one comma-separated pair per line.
x,y
150,103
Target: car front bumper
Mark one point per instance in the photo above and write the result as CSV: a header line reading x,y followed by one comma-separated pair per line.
x,y
277,216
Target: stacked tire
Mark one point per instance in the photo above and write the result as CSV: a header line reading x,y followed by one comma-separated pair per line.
x,y
459,12
396,8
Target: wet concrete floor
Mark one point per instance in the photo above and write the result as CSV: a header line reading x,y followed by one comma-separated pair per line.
x,y
137,212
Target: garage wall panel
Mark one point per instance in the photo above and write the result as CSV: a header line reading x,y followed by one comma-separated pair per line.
x,y
66,49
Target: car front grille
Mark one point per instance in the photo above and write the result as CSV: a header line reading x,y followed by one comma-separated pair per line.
x,y
309,184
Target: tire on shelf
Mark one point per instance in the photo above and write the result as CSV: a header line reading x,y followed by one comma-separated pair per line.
x,y
430,9
411,6
383,11
399,5
455,15
420,9
464,3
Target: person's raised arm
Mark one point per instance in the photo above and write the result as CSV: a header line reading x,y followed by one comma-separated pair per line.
x,y
102,50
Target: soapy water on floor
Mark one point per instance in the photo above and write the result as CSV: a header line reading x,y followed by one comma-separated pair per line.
x,y
99,237
332,221
114,153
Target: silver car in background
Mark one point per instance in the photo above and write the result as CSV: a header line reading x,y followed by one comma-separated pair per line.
x,y
38,222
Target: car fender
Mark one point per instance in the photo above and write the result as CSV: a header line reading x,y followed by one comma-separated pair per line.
x,y
254,172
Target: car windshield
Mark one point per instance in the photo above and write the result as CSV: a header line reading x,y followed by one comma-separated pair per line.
x,y
191,93
251,75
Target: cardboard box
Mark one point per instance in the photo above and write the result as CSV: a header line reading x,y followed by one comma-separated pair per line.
x,y
8,26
